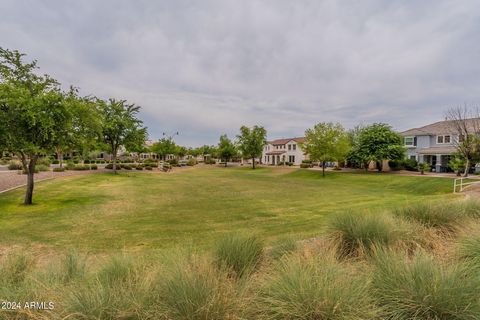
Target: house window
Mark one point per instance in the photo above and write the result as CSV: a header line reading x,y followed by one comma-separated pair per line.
x,y
289,147
294,147
413,158
409,141
291,158
443,139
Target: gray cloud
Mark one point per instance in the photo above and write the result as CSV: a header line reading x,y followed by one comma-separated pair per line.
x,y
206,67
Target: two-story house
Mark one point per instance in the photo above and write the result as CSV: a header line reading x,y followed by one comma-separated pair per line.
x,y
434,143
283,150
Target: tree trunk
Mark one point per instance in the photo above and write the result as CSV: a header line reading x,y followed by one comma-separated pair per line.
x,y
467,166
379,166
253,163
30,181
323,169
226,163
114,158
60,159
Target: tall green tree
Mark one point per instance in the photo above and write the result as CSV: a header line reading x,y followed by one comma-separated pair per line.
x,y
84,128
164,147
226,149
33,113
121,127
379,142
326,142
251,142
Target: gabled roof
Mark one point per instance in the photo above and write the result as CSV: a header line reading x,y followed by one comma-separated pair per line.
x,y
287,140
441,127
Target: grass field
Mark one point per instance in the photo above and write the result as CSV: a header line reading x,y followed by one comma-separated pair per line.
x,y
197,206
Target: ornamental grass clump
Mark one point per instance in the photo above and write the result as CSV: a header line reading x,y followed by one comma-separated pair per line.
x,y
356,235
241,255
283,247
317,287
444,217
423,288
117,291
194,288
469,249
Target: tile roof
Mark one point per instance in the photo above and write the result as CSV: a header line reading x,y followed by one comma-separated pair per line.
x,y
285,141
441,127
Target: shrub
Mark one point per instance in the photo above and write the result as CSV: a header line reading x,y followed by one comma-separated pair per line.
x,y
148,168
126,167
110,166
42,167
80,167
15,165
139,167
442,216
70,165
305,165
55,161
44,161
173,162
86,161
58,169
410,164
193,289
315,288
239,254
395,165
355,235
423,166
424,289
191,162
210,161
93,167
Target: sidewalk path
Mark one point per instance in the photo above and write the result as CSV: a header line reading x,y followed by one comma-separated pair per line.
x,y
11,179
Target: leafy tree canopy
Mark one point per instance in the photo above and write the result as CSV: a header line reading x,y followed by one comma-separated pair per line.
x,y
226,149
379,142
121,127
326,142
251,142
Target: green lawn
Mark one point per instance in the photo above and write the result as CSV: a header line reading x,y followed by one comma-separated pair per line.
x,y
137,210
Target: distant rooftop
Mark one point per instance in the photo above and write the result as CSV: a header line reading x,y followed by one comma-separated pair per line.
x,y
441,127
286,140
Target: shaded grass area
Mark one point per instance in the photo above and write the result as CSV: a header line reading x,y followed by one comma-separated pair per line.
x,y
138,210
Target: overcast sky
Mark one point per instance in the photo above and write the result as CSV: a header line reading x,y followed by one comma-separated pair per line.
x,y
207,67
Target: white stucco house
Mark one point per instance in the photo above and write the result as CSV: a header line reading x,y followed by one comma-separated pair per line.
x,y
283,150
